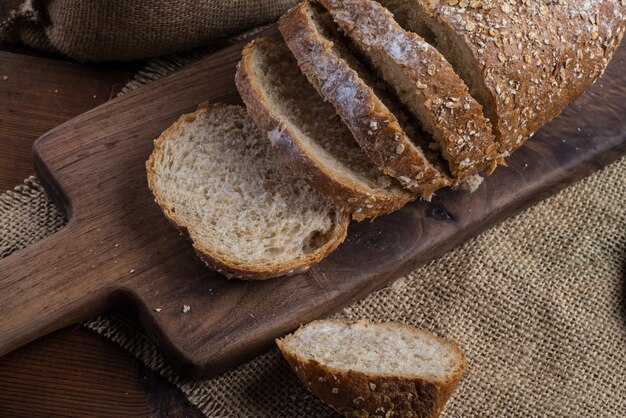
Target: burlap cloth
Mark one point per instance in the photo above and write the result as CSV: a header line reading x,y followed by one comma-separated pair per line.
x,y
537,302
113,30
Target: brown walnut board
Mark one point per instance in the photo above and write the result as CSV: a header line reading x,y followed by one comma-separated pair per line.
x,y
119,252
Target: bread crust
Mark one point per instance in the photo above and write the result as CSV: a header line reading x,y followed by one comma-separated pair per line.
x,y
534,57
359,394
456,119
360,202
229,267
375,128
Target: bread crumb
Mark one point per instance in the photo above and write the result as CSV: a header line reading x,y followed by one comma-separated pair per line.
x,y
5,78
186,308
132,271
398,284
157,309
473,183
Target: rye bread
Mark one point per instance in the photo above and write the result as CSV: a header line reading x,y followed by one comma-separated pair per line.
x,y
337,75
375,370
216,179
308,136
424,81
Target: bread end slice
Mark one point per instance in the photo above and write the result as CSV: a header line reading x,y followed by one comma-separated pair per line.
x,y
215,178
375,370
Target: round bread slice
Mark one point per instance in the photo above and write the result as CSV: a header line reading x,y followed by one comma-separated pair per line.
x,y
308,135
216,179
375,370
424,81
342,80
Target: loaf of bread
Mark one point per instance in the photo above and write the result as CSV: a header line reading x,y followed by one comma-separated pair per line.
x,y
375,370
369,114
524,61
215,177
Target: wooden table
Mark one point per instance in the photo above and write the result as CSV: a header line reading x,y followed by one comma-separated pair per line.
x,y
72,372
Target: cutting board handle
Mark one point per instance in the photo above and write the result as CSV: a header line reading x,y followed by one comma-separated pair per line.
x,y
45,287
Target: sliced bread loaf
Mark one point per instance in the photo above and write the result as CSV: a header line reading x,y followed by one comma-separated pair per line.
x,y
216,179
338,76
308,135
376,370
424,81
524,61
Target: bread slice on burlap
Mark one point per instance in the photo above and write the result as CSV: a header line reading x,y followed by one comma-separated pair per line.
x,y
308,135
337,75
216,179
375,370
424,81
524,61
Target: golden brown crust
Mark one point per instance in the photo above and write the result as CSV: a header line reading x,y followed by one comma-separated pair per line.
x,y
351,197
228,267
373,125
535,57
358,394
455,118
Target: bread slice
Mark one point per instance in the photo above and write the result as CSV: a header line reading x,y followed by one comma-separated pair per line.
x,y
214,176
308,135
524,61
376,370
337,75
424,81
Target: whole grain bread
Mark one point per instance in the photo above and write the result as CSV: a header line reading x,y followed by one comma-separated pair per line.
x,y
424,81
215,177
338,76
308,136
524,61
375,370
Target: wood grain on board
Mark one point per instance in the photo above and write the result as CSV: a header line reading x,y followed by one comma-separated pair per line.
x,y
75,372
71,372
38,94
119,252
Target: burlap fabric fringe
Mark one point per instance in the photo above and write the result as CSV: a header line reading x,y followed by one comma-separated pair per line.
x,y
537,302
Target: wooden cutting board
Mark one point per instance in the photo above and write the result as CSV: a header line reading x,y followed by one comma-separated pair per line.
x,y
118,252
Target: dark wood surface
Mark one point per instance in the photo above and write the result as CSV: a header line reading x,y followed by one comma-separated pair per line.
x,y
37,94
72,372
119,252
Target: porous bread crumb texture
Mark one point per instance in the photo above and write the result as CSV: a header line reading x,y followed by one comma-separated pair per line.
x,y
308,135
375,370
424,81
525,61
214,174
369,348
369,111
296,101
